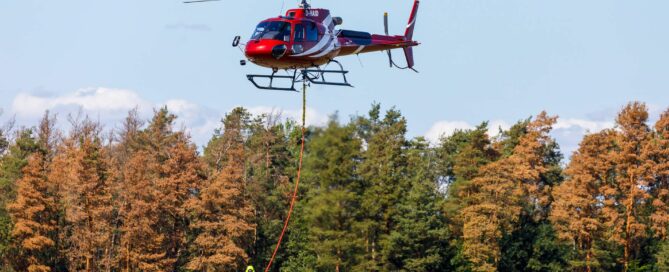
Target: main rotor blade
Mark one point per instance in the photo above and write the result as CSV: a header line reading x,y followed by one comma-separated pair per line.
x,y
199,1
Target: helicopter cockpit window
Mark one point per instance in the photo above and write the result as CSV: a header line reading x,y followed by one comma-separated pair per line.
x,y
272,31
312,32
299,33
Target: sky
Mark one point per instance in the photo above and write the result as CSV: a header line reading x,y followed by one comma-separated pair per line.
x,y
497,61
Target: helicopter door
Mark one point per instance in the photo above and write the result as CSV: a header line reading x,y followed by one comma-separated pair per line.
x,y
305,36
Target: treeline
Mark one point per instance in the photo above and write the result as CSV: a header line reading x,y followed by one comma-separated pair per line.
x,y
142,198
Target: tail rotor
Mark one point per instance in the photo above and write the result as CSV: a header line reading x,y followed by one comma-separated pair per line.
x,y
385,26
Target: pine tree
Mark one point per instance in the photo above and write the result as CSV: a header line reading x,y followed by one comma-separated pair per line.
x,y
461,157
121,152
420,240
141,243
658,151
383,170
160,179
505,190
224,212
332,206
271,165
215,153
625,196
82,170
577,209
35,211
11,165
531,245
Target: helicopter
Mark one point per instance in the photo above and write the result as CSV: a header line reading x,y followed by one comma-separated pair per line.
x,y
305,41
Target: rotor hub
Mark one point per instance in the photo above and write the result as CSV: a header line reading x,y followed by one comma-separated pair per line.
x,y
305,5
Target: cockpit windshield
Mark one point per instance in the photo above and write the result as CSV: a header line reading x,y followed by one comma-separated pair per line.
x,y
272,31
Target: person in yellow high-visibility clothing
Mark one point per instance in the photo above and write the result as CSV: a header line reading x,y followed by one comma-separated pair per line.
x,y
250,269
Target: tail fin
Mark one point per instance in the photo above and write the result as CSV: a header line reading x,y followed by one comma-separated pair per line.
x,y
408,51
412,21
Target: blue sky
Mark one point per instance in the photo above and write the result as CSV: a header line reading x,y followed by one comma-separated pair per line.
x,y
479,60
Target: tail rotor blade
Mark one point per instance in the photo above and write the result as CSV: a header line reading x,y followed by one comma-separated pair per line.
x,y
385,26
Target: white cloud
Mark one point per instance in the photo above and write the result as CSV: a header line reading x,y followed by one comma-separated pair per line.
x,y
110,106
445,128
585,125
567,132
494,127
91,100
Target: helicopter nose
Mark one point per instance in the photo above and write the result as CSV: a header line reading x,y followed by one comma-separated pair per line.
x,y
261,50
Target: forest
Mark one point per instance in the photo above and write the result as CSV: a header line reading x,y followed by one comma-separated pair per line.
x,y
141,196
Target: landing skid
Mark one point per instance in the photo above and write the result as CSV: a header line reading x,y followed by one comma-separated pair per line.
x,y
313,76
271,78
317,76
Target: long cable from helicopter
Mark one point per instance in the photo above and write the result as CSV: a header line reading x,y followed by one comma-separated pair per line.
x,y
299,173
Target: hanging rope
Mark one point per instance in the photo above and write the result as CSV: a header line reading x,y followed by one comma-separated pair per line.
x,y
299,173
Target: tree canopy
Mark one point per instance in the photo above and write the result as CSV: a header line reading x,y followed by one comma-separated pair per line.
x,y
144,197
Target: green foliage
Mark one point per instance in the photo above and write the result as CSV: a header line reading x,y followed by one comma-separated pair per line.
x,y
420,240
383,169
11,165
370,198
509,139
460,156
533,247
269,170
662,256
333,201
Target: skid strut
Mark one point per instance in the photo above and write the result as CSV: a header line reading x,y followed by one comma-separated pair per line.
x,y
317,76
314,75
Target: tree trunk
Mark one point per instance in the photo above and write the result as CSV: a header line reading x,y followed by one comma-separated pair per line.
x,y
628,226
127,258
588,259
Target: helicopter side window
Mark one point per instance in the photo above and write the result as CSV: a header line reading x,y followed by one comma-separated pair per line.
x,y
312,32
299,33
272,31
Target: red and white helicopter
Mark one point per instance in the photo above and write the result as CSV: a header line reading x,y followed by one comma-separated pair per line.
x,y
306,40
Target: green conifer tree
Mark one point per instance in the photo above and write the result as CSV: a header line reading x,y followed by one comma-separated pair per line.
x,y
383,169
333,204
11,166
419,242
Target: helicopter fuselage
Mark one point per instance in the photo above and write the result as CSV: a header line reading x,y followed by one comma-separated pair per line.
x,y
307,37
